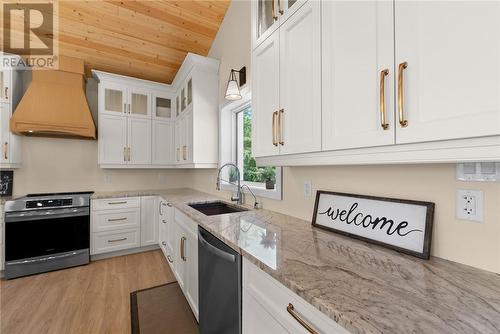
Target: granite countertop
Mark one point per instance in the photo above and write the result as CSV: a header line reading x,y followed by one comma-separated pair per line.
x,y
364,287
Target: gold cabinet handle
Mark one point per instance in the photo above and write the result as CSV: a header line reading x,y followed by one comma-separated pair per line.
x,y
124,153
383,116
290,309
116,219
116,240
169,259
401,99
275,143
128,153
183,251
177,153
280,8
6,150
280,127
184,152
273,13
6,93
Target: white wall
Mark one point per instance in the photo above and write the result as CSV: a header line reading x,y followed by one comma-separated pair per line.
x,y
466,242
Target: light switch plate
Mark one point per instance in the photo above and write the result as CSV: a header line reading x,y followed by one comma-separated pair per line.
x,y
470,205
307,188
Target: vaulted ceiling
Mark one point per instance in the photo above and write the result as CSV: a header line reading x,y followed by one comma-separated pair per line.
x,y
144,39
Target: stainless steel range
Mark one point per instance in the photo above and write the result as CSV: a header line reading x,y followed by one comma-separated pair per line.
x,y
45,232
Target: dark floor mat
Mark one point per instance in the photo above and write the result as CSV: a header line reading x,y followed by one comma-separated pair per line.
x,y
161,310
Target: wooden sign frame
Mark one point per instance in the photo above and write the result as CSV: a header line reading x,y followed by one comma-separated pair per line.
x,y
377,222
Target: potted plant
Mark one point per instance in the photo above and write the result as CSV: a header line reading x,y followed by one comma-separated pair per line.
x,y
233,175
269,177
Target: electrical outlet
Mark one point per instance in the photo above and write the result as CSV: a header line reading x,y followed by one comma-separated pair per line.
x,y
162,178
469,205
307,188
107,178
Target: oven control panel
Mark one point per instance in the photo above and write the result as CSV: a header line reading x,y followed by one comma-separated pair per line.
x,y
46,203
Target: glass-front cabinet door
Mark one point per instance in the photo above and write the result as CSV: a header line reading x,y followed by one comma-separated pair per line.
x,y
265,19
183,99
114,99
189,88
162,107
139,102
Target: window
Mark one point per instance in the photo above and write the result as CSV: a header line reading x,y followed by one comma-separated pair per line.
x,y
263,177
236,147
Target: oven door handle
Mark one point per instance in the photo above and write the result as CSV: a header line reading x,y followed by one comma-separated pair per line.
x,y
46,258
46,214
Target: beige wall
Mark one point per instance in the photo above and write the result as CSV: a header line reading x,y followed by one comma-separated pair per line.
x,y
466,242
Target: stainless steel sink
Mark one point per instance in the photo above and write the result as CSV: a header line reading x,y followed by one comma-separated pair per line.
x,y
216,208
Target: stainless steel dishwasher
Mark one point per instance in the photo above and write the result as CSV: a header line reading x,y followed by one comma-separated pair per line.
x,y
219,284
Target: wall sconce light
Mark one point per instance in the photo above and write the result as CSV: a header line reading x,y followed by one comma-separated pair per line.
x,y
233,85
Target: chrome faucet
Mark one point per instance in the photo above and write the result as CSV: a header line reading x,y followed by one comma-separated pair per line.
x,y
239,198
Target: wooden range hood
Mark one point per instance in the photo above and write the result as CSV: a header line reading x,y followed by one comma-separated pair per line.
x,y
55,104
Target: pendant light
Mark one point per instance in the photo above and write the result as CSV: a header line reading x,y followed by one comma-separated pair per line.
x,y
233,85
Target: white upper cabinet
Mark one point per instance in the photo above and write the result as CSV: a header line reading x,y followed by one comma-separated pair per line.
x,y
358,74
265,92
139,141
365,82
11,91
112,139
163,139
286,86
114,98
299,119
450,86
163,106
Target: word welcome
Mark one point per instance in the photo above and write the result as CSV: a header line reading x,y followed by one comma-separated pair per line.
x,y
367,221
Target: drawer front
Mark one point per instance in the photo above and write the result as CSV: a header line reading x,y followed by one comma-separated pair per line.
x,y
116,203
275,297
103,242
110,220
185,221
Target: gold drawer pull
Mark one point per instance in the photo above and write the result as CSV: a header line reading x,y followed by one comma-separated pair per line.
x,y
116,219
6,150
6,93
183,249
401,96
116,240
280,127
290,309
275,17
280,8
275,143
114,203
383,117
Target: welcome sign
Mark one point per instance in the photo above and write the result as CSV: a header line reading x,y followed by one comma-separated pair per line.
x,y
403,225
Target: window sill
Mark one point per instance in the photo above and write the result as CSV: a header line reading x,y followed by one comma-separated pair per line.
x,y
258,191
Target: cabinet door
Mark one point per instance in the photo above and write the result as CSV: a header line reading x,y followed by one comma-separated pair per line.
x,y
187,138
5,87
451,83
139,141
149,220
300,80
191,255
265,102
114,99
256,319
358,52
179,248
162,107
5,132
265,20
189,92
177,134
163,142
170,231
139,103
112,139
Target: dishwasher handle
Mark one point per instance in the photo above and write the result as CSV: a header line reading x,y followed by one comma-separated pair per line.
x,y
216,251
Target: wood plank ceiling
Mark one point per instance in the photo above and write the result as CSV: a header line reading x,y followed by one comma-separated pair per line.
x,y
144,39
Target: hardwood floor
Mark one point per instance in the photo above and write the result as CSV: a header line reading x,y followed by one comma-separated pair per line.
x,y
90,299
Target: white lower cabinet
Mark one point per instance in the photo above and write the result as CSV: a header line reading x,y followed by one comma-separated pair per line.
x,y
123,223
149,220
266,307
186,258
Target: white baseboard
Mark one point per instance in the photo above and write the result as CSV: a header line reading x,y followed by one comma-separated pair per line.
x,y
123,252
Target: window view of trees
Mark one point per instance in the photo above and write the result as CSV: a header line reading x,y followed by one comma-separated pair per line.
x,y
251,172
